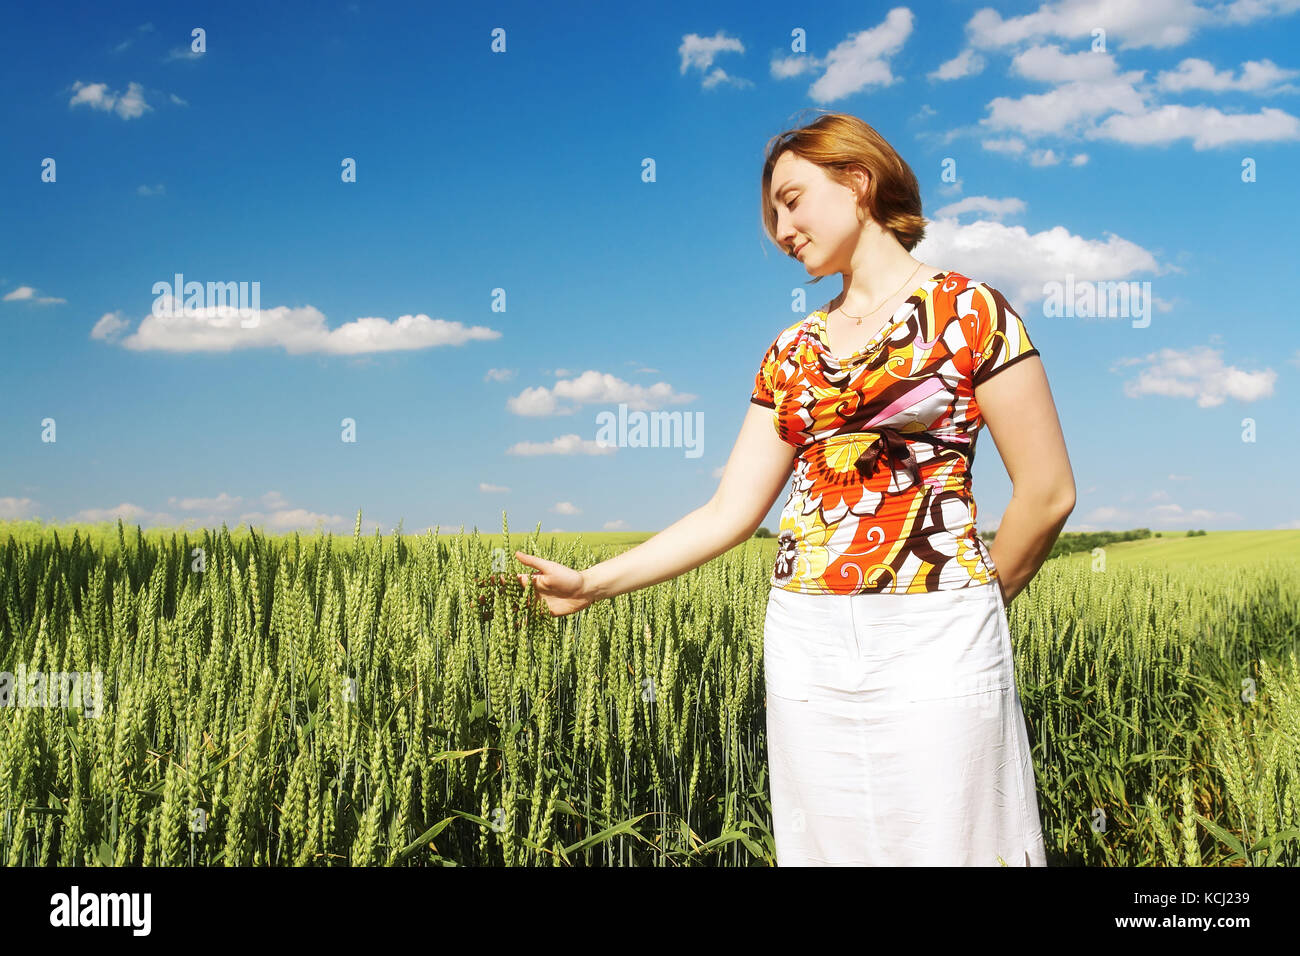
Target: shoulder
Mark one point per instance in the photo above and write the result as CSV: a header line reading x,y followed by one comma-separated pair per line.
x,y
958,283
955,283
786,338
963,295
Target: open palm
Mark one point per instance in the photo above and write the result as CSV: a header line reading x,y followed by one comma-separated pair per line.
x,y
561,587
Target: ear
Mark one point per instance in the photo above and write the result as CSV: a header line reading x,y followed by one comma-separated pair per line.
x,y
861,180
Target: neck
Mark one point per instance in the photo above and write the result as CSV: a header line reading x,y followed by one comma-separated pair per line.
x,y
877,270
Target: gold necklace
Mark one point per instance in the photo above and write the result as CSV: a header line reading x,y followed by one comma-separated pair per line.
x,y
886,298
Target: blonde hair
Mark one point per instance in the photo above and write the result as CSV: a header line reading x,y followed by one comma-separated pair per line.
x,y
836,142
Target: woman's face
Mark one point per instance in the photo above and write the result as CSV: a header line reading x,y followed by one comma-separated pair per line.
x,y
816,217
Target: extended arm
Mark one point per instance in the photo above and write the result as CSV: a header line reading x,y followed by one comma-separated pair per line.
x,y
758,468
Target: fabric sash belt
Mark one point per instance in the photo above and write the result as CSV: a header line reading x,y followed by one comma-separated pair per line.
x,y
891,446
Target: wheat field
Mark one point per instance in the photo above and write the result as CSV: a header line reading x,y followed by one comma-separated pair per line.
x,y
394,700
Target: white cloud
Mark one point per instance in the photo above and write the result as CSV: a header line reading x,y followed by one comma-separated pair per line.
x,y
1111,518
1257,76
1199,373
719,77
499,375
128,105
275,501
1013,146
222,502
1176,514
593,387
17,509
109,325
563,445
1241,12
1068,105
143,28
1206,126
1018,262
1048,63
785,67
276,519
1010,145
965,63
157,190
566,508
619,525
994,208
129,513
861,61
300,519
699,52
1092,98
1106,513
297,331
1151,23
25,293
483,486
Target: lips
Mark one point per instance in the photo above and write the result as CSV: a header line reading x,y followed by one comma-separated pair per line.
x,y
800,248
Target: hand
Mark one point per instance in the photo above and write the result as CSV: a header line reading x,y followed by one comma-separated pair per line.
x,y
563,588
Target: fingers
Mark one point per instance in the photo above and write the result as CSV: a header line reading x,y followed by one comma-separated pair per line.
x,y
533,561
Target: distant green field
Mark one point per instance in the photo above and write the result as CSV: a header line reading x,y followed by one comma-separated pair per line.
x,y
1234,547
1173,548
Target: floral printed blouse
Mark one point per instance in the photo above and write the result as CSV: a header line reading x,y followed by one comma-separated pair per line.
x,y
880,501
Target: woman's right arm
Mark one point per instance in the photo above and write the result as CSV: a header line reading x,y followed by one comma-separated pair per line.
x,y
759,466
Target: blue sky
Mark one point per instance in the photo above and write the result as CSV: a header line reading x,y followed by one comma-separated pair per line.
x,y
502,271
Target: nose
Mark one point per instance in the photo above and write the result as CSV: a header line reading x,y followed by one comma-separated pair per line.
x,y
788,240
785,234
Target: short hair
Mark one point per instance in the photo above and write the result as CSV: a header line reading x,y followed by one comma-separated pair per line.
x,y
837,141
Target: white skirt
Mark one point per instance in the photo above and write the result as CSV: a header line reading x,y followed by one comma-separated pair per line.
x,y
895,733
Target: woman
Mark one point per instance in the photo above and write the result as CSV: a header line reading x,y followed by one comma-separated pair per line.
x,y
895,730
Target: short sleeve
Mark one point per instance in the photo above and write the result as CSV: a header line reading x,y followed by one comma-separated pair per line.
x,y
765,380
1001,339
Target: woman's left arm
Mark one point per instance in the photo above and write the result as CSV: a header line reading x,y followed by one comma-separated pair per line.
x,y
1016,404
